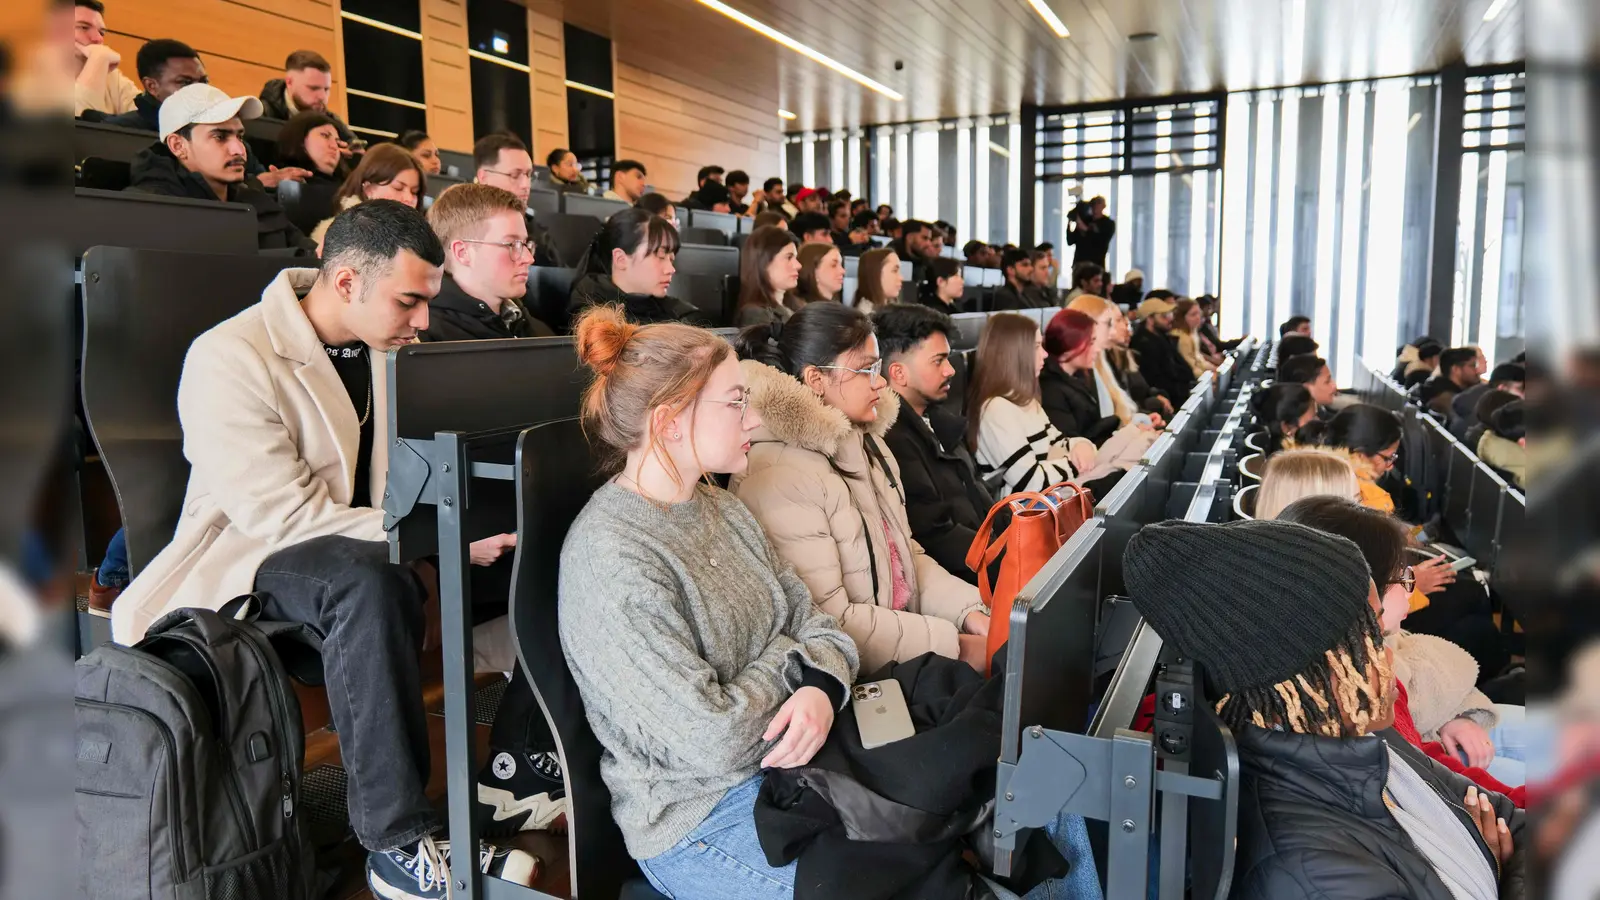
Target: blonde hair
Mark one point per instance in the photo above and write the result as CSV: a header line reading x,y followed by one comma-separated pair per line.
x,y
1096,306
1294,474
638,368
459,212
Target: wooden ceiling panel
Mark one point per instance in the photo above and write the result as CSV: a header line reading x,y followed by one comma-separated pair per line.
x,y
982,57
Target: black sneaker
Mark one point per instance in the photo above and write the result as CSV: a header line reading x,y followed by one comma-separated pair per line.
x,y
421,871
521,792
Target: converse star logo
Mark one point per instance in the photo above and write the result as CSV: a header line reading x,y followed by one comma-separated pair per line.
x,y
505,766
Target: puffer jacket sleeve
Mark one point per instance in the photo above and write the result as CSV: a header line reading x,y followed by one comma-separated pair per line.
x,y
795,511
941,593
1324,874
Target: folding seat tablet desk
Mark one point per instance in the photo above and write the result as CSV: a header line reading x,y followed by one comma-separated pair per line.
x,y
134,219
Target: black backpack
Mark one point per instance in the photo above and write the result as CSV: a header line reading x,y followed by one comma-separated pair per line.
x,y
189,755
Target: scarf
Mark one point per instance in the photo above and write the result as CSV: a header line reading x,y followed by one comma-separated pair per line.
x,y
1438,834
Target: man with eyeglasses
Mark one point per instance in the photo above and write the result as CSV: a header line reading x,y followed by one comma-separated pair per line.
x,y
486,258
501,160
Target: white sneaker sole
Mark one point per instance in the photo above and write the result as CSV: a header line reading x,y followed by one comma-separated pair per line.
x,y
541,809
520,868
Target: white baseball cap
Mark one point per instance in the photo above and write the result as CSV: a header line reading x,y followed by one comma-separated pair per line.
x,y
202,104
1133,275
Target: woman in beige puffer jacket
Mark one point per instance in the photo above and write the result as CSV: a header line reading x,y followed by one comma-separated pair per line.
x,y
827,491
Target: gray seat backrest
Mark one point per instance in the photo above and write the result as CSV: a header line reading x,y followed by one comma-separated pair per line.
x,y
585,205
108,141
134,219
142,310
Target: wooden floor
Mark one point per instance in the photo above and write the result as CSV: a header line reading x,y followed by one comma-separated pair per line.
x,y
322,748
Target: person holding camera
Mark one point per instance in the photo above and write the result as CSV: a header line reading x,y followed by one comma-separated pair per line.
x,y
1091,232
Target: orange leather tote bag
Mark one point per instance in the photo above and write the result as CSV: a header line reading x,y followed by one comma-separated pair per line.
x,y
1040,522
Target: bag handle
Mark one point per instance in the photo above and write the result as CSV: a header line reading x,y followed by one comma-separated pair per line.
x,y
980,543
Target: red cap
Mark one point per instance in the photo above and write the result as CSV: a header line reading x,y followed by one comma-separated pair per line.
x,y
805,194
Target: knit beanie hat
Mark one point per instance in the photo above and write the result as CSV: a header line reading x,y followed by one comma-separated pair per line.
x,y
1254,602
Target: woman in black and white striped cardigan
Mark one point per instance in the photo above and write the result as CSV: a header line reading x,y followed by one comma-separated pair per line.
x,y
1016,447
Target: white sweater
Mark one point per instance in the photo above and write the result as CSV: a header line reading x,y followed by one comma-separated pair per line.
x,y
1020,445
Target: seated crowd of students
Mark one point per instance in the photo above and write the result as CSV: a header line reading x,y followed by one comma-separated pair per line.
x,y
715,633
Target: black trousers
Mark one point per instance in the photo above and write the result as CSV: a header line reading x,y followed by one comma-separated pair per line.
x,y
519,727
369,613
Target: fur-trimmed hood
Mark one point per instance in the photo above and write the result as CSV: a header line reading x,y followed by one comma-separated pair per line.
x,y
791,414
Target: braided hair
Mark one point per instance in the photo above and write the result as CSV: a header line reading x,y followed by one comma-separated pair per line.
x,y
1339,695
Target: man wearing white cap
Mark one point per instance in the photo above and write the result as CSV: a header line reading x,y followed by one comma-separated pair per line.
x,y
1128,294
202,156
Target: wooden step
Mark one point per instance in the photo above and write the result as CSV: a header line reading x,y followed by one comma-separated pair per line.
x,y
322,748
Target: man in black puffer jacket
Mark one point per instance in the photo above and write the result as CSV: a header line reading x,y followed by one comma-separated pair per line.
x,y
946,502
202,156
1333,804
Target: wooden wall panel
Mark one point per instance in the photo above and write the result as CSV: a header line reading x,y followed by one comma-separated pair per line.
x,y
547,49
675,128
447,76
243,46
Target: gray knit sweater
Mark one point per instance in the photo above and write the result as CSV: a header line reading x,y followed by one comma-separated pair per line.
x,y
685,632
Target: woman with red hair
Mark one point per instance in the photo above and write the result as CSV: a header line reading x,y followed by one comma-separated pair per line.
x,y
1066,383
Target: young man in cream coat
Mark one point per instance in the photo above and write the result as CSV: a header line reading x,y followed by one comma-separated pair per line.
x,y
282,415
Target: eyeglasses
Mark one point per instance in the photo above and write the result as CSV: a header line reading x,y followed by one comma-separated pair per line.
x,y
1408,579
875,370
514,176
1389,458
741,404
512,247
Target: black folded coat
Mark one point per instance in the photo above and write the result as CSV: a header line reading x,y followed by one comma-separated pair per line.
x,y
896,821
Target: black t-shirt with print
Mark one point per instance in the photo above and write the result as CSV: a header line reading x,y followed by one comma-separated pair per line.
x,y
350,361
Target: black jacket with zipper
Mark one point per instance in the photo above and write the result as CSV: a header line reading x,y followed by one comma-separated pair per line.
x,y
155,170
455,315
1073,404
642,309
275,105
1163,367
1313,823
945,501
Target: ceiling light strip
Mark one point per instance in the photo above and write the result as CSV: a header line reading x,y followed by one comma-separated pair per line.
x,y
1054,21
580,86
385,98
377,131
393,29
497,60
809,53
1494,10
785,114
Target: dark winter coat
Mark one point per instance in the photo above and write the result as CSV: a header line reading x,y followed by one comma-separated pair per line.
x,y
455,315
1073,404
1312,821
643,309
156,171
935,785
275,105
945,500
1162,365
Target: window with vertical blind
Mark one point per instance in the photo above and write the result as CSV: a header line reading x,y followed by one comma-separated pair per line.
x,y
1326,194
957,170
1488,270
1159,168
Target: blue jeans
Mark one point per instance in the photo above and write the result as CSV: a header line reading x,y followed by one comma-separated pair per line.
x,y
113,571
1510,737
721,857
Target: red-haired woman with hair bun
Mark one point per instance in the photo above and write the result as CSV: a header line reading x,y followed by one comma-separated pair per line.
x,y
698,652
